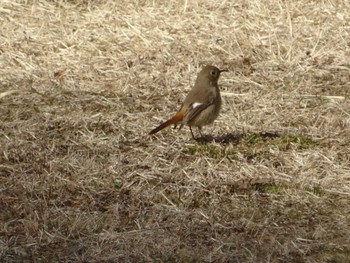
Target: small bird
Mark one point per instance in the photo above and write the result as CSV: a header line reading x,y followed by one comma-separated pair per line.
x,y
202,104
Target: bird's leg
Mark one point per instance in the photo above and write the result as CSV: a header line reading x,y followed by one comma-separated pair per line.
x,y
192,133
200,131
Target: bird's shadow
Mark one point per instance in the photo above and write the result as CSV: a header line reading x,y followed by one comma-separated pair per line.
x,y
235,137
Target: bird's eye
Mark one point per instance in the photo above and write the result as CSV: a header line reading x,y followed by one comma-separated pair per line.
x,y
212,72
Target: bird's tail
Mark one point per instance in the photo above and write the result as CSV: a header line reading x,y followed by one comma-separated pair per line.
x,y
177,118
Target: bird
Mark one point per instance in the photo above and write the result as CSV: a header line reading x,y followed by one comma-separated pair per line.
x,y
202,104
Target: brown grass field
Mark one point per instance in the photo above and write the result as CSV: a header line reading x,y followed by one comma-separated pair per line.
x,y
82,83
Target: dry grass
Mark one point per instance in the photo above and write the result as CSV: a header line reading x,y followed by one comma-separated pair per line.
x,y
83,82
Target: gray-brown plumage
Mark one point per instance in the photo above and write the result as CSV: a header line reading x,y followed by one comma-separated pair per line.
x,y
202,104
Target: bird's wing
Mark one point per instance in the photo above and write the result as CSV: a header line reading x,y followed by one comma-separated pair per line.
x,y
194,109
196,101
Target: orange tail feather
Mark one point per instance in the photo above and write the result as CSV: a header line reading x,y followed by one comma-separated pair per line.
x,y
178,117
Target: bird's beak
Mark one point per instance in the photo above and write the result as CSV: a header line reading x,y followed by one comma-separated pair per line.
x,y
223,70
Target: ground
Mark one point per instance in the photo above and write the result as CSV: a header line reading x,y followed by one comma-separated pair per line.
x,y
83,82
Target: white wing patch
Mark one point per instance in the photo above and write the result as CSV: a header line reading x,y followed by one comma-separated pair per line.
x,y
196,104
